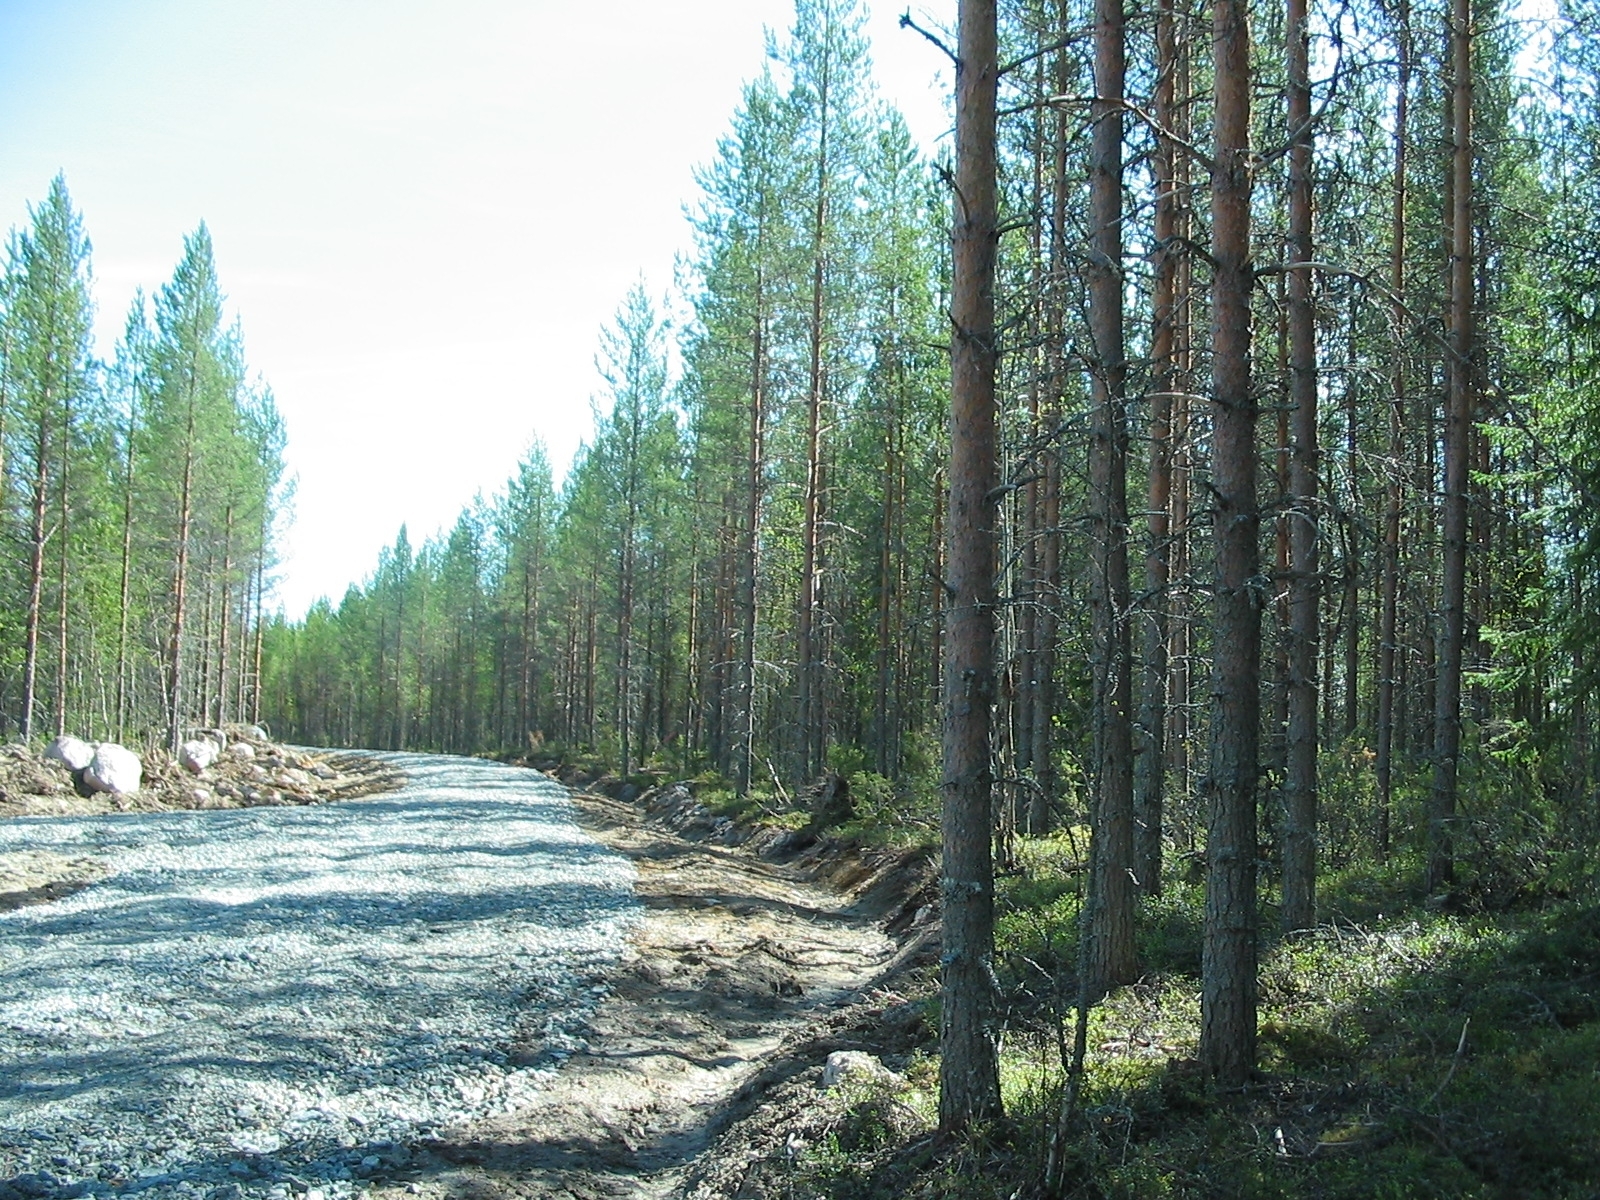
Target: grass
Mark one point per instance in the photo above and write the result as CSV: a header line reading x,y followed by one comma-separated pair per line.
x,y
1404,1052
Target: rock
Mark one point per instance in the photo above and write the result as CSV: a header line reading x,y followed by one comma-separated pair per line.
x,y
255,733
214,736
72,753
197,755
855,1067
241,751
200,797
113,768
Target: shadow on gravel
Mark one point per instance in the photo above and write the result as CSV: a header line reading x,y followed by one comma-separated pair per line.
x,y
295,978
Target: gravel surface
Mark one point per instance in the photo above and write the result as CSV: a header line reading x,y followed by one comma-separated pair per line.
x,y
275,1001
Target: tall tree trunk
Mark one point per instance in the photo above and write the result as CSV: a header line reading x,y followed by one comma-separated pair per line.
x,y
812,734
1179,616
1228,983
1113,959
1150,763
1352,534
1458,420
125,584
1048,606
1300,767
36,542
888,582
64,558
969,1082
223,630
259,628
1388,621
180,588
755,465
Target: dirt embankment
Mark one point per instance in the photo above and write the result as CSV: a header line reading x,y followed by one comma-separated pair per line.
x,y
762,952
252,771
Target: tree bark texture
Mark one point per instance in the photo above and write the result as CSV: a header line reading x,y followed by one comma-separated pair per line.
x,y
1228,972
1388,621
1113,959
1300,776
1150,762
1457,446
969,1086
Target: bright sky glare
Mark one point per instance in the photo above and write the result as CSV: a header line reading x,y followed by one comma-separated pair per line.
x,y
423,210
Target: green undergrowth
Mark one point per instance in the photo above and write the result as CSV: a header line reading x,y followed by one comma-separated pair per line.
x,y
1404,1052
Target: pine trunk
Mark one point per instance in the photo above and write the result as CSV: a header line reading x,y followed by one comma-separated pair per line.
x,y
1458,420
1300,769
1113,959
969,1084
1228,983
1388,621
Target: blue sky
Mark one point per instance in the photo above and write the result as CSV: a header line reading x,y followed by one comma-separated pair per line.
x,y
423,210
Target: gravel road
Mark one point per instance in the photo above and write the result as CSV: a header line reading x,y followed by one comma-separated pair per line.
x,y
275,1001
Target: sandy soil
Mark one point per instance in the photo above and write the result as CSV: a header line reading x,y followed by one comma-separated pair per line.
x,y
754,963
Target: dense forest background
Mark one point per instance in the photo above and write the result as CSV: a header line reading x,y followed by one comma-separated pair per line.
x,y
743,571
1294,599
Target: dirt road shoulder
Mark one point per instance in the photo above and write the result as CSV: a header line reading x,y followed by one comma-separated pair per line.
x,y
749,969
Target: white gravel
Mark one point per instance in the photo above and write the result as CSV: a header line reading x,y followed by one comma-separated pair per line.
x,y
278,1000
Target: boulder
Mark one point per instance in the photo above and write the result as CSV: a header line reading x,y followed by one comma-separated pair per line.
x,y
856,1068
114,769
216,736
197,755
242,751
72,753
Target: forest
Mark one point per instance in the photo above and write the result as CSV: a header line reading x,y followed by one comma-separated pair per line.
x,y
1175,499
138,497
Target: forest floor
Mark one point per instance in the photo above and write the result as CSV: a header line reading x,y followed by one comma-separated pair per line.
x,y
702,1075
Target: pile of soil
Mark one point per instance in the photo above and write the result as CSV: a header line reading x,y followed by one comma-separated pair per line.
x,y
263,773
251,771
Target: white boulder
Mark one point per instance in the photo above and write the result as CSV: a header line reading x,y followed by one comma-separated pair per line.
x,y
72,753
242,751
856,1068
114,768
197,755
